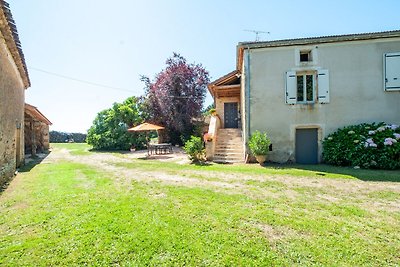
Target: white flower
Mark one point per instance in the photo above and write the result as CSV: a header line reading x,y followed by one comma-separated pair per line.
x,y
381,129
371,132
396,135
373,145
389,141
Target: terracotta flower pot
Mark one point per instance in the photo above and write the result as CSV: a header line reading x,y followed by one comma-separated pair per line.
x,y
261,158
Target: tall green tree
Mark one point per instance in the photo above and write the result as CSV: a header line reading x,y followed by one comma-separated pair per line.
x,y
176,96
109,129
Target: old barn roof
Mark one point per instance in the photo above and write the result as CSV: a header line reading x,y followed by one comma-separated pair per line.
x,y
36,114
9,31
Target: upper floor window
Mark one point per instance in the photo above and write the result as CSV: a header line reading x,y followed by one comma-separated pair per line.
x,y
307,87
305,56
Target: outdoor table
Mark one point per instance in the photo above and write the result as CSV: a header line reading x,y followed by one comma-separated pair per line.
x,y
164,148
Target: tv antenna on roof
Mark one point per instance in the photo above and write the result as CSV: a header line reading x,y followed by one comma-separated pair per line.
x,y
257,34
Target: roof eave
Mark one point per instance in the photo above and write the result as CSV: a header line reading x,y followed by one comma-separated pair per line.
x,y
313,40
9,31
34,111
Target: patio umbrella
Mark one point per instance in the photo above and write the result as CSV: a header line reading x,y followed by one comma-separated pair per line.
x,y
146,127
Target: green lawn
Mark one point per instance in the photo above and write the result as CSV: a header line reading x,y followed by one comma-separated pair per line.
x,y
68,212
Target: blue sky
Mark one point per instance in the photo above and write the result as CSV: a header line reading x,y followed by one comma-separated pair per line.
x,y
112,43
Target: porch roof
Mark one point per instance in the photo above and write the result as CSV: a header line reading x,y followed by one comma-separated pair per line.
x,y
226,86
36,114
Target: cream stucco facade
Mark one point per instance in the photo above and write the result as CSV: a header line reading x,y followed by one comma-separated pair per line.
x,y
320,84
356,90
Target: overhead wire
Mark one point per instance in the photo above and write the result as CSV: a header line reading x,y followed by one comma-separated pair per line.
x,y
79,80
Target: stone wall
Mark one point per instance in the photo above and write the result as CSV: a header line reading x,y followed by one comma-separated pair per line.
x,y
12,98
39,133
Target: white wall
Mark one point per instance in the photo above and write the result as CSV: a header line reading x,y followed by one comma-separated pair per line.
x,y
356,91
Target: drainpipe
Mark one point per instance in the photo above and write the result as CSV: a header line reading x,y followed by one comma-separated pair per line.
x,y
247,88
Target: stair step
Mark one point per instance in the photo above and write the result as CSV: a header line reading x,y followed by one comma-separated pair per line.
x,y
228,154
227,150
229,147
217,160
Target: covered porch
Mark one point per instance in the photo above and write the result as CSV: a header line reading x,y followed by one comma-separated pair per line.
x,y
226,94
226,144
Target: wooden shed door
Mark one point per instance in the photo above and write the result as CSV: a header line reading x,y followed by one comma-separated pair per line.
x,y
231,115
307,146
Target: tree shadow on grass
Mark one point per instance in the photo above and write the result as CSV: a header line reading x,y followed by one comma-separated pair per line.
x,y
361,174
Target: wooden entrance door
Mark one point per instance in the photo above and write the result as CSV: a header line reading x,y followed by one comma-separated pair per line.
x,y
231,115
307,146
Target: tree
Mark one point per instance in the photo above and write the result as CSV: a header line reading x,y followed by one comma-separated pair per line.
x,y
176,97
109,129
64,137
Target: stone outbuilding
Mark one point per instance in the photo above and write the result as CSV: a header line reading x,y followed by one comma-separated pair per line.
x,y
14,80
36,131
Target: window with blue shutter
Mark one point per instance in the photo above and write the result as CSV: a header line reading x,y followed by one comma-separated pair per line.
x,y
307,87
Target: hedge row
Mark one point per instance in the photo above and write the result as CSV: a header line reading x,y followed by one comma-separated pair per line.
x,y
375,145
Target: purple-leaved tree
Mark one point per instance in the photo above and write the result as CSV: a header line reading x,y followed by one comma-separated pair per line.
x,y
176,96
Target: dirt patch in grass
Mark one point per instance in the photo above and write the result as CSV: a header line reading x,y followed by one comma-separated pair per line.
x,y
252,185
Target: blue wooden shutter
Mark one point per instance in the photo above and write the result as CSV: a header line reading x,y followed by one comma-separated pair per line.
x,y
291,84
323,86
392,71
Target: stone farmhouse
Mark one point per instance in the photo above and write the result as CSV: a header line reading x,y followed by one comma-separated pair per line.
x,y
14,80
301,90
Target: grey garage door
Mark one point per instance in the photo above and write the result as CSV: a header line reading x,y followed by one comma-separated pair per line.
x,y
307,146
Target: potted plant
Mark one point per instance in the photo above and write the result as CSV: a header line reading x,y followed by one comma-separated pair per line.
x,y
207,137
259,145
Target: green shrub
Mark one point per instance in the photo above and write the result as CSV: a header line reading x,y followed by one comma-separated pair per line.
x,y
375,145
259,143
194,147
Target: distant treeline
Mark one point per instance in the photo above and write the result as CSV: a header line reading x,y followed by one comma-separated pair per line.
x,y
62,137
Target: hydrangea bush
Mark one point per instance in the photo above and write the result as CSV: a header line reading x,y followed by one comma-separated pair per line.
x,y
375,145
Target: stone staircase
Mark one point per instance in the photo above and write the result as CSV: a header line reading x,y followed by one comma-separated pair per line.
x,y
229,147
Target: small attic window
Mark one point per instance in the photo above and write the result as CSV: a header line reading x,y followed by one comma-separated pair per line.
x,y
305,56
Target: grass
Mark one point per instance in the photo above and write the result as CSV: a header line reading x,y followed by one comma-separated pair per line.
x,y
68,213
320,170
